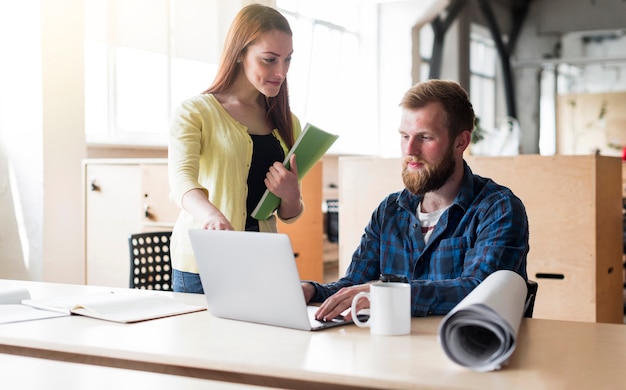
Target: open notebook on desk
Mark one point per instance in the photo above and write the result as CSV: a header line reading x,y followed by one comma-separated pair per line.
x,y
114,306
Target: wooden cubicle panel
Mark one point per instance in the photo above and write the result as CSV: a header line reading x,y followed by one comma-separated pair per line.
x,y
307,233
574,210
363,183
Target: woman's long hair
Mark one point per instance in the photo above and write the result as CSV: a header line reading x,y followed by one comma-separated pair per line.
x,y
249,24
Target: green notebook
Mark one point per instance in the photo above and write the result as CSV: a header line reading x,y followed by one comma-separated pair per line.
x,y
310,146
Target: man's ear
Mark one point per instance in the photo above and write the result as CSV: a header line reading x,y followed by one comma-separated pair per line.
x,y
463,140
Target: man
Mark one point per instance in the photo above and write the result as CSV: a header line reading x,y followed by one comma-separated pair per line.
x,y
447,230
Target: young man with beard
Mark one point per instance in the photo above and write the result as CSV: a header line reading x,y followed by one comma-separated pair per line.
x,y
448,229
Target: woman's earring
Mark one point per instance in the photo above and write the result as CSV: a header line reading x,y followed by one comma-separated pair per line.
x,y
239,60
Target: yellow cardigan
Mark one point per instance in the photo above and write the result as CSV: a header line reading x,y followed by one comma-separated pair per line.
x,y
210,150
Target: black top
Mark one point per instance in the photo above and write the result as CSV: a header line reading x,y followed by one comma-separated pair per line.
x,y
265,151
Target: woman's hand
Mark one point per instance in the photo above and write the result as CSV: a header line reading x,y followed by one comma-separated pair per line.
x,y
283,183
216,221
196,203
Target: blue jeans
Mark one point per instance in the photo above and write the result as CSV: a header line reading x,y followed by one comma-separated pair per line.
x,y
186,282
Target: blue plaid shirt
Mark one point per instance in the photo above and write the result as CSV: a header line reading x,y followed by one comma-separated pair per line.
x,y
484,230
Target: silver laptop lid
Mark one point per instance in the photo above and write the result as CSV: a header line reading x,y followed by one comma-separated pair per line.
x,y
250,276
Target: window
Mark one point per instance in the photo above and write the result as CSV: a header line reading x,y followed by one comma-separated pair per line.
x,y
586,89
139,65
332,82
547,111
426,43
483,62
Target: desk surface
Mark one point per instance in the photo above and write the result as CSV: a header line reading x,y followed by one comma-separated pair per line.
x,y
28,373
550,354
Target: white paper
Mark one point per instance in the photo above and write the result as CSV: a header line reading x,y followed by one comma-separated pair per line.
x,y
480,333
18,312
11,310
13,295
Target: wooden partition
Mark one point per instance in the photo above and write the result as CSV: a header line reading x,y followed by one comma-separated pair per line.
x,y
307,233
574,209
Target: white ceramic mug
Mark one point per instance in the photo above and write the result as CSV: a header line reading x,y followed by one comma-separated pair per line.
x,y
390,309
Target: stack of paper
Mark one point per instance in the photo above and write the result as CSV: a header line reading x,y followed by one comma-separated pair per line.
x,y
481,331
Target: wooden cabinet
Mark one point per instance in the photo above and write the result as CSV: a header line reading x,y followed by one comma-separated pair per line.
x,y
574,210
125,196
122,197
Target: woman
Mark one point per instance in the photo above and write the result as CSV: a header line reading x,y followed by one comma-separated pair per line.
x,y
227,144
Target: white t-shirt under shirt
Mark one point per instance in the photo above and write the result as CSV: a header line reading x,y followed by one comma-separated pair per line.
x,y
428,220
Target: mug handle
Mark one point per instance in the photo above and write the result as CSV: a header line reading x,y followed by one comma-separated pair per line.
x,y
355,318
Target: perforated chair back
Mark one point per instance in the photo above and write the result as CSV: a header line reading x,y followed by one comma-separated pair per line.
x,y
532,287
150,267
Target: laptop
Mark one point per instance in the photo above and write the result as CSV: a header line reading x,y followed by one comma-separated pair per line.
x,y
253,277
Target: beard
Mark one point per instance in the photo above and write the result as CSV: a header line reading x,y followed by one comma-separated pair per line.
x,y
430,177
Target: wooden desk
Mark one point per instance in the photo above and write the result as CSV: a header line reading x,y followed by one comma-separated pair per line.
x,y
550,354
27,373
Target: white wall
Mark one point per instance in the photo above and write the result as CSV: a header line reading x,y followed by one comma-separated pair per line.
x,y
21,157
43,137
63,139
560,16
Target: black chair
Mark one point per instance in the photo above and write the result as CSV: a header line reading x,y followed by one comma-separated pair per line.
x,y
150,266
532,287
332,220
